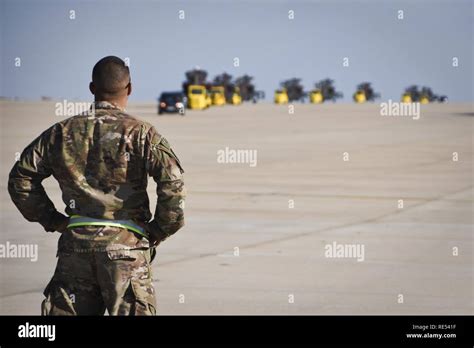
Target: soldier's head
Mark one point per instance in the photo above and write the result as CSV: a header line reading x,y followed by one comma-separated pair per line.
x,y
111,81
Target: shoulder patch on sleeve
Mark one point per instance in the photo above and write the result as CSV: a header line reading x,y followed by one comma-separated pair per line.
x,y
165,147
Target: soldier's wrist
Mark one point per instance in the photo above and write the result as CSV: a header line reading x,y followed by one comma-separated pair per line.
x,y
54,221
155,231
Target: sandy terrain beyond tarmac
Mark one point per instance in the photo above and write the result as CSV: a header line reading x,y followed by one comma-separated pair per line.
x,y
281,267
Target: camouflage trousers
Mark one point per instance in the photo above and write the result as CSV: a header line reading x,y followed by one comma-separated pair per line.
x,y
88,283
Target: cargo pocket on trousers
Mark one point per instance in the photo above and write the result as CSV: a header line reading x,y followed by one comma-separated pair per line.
x,y
143,298
57,301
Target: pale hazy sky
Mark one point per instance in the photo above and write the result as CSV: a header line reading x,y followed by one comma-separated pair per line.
x,y
57,53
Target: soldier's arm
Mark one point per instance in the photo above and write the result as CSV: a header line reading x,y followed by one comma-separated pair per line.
x,y
164,166
26,189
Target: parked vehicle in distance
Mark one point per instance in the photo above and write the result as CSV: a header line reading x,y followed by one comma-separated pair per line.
x,y
413,94
323,91
198,97
281,97
172,102
218,95
316,96
365,93
236,97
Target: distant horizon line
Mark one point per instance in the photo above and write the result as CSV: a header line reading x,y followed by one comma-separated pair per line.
x,y
266,101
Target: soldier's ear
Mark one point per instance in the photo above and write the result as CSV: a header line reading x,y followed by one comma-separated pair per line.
x,y
92,88
129,89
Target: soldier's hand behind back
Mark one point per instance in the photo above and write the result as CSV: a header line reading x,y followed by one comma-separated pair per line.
x,y
63,226
154,242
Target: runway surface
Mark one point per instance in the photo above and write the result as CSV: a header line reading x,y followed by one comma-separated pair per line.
x,y
256,237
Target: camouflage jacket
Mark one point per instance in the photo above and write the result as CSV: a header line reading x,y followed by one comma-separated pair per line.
x,y
102,160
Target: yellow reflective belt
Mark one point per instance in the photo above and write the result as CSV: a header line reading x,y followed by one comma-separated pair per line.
x,y
79,221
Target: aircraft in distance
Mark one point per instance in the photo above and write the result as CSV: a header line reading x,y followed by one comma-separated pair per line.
x,y
324,90
413,94
292,90
247,89
365,93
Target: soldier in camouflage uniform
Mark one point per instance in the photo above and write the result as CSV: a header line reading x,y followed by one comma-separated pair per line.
x,y
102,160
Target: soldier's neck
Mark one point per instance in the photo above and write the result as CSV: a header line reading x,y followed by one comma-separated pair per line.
x,y
120,102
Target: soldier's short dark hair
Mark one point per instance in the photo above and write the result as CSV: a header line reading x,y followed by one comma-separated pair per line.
x,y
110,75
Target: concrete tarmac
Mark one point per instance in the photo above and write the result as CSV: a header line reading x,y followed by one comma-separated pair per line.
x,y
256,237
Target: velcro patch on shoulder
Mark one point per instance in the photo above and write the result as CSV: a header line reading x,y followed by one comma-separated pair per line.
x,y
165,147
